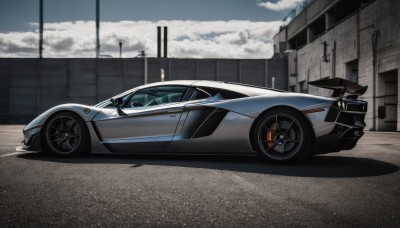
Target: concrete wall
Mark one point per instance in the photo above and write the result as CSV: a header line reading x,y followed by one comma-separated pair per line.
x,y
352,42
341,48
275,69
279,40
316,8
384,15
30,86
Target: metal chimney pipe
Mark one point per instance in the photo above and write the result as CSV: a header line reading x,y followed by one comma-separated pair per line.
x,y
41,29
158,41
97,28
165,42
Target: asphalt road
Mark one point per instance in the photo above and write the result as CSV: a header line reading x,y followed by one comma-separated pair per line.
x,y
360,187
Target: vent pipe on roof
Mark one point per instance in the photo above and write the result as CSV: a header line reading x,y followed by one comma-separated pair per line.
x,y
158,41
165,42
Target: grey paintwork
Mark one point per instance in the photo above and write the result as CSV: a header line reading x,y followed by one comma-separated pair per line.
x,y
231,136
164,127
35,125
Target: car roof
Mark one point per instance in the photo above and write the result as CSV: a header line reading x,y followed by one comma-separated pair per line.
x,y
248,90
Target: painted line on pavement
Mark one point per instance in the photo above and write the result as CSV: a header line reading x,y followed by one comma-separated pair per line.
x,y
19,151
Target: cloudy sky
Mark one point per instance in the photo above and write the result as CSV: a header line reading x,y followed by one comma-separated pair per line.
x,y
197,28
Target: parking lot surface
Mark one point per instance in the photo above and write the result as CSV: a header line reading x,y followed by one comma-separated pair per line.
x,y
360,187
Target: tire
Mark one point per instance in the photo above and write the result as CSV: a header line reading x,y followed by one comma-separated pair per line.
x,y
66,135
283,136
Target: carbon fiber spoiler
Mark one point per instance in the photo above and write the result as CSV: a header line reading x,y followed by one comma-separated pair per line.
x,y
340,86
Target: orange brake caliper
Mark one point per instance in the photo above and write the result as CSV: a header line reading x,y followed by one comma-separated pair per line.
x,y
271,136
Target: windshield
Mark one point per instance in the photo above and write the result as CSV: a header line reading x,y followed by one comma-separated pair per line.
x,y
107,103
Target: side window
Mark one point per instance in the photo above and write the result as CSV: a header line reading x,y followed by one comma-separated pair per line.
x,y
156,96
206,92
199,94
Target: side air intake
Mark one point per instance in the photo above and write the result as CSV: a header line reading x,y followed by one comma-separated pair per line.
x,y
210,123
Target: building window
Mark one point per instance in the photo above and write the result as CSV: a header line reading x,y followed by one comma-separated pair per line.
x,y
292,88
299,41
354,75
303,87
352,71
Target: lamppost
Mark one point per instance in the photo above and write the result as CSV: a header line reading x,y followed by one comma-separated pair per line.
x,y
120,49
97,28
41,29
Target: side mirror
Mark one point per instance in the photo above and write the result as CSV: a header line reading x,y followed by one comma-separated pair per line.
x,y
117,101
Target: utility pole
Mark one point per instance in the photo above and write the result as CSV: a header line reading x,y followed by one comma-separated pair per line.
x,y
97,28
40,28
120,49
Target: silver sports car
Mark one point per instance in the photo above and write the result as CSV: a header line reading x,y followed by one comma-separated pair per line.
x,y
206,117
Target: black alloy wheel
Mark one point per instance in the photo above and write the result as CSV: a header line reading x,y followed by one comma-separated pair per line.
x,y
283,136
66,135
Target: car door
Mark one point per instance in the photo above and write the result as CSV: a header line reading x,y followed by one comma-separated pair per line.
x,y
149,121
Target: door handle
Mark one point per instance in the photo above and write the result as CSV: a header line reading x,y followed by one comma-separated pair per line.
x,y
174,110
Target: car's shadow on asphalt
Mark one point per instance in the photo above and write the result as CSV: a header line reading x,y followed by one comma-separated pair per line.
x,y
317,166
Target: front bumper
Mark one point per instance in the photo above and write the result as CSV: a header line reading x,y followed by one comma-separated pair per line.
x,y
32,140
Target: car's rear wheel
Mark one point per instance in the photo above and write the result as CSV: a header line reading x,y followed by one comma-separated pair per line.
x,y
282,136
66,135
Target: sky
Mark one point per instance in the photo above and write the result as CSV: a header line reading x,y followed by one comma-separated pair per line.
x,y
197,28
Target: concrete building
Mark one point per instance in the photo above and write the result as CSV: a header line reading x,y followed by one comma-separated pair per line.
x,y
30,86
358,40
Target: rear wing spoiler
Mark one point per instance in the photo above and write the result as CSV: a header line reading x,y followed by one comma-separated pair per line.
x,y
340,86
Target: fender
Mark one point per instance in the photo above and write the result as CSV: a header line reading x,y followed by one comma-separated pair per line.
x,y
87,113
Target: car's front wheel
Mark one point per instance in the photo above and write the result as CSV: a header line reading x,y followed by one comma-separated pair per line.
x,y
65,134
282,136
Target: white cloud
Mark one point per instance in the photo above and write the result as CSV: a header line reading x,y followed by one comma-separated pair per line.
x,y
280,4
187,39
